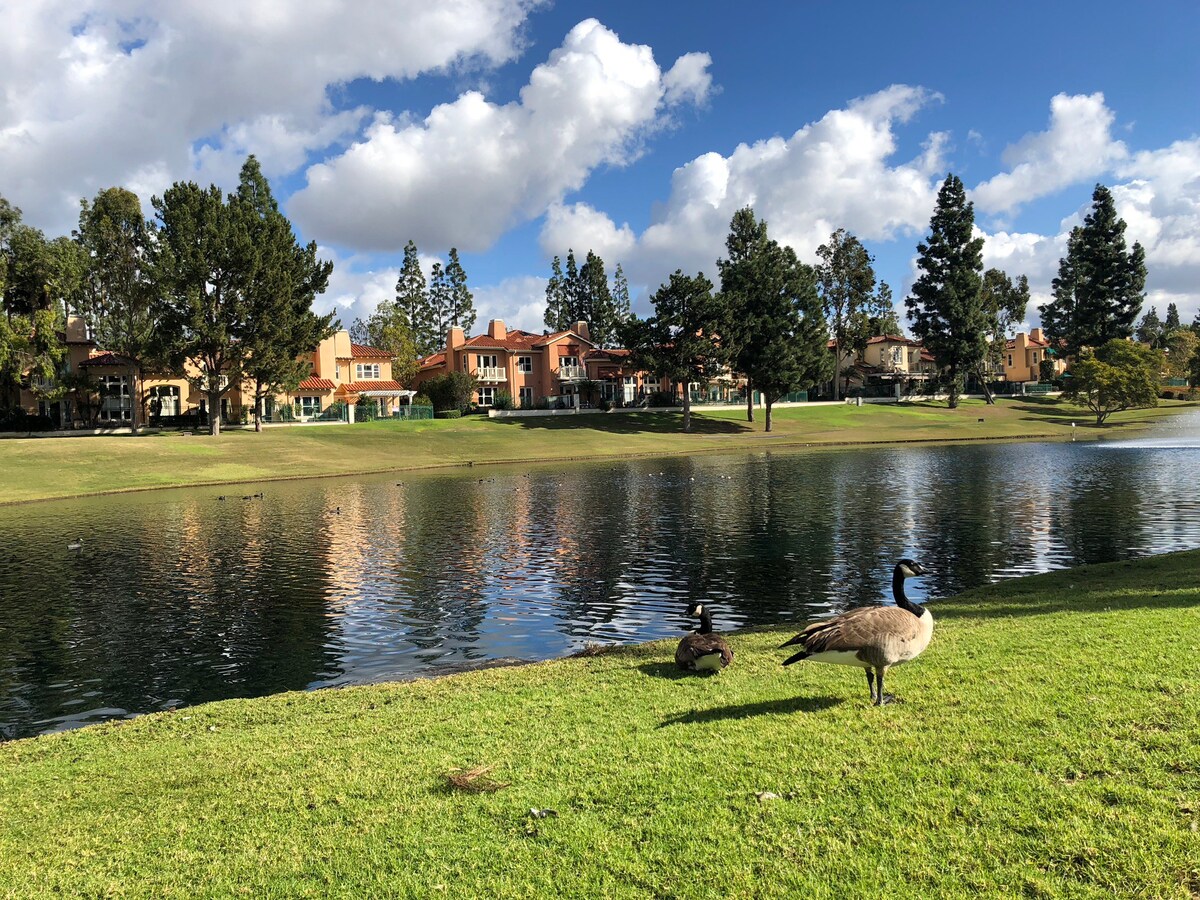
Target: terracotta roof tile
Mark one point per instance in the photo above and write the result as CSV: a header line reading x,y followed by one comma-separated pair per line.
x,y
313,383
108,359
362,351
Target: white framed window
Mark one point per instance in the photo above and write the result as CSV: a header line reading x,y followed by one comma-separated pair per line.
x,y
525,364
568,361
525,395
487,396
165,399
366,371
308,406
487,361
116,405
1035,357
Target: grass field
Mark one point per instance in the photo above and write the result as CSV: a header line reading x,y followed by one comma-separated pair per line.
x,y
1048,746
43,468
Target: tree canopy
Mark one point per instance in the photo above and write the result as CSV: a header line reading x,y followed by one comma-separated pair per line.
x,y
846,281
945,306
1118,375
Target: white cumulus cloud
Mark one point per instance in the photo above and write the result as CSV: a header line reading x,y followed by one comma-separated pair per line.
x,y
471,169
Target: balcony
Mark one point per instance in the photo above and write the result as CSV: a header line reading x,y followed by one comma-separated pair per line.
x,y
571,373
491,373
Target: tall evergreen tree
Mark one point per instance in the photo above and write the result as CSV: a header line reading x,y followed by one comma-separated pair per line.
x,y
556,297
439,299
883,319
681,340
945,307
1099,289
461,305
773,320
846,280
572,292
1004,302
1172,320
414,302
1150,329
620,296
280,326
596,302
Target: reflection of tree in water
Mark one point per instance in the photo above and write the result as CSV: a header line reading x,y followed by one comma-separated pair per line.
x,y
167,602
1100,514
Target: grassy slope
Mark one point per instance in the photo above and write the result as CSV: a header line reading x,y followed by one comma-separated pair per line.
x,y
42,468
1049,746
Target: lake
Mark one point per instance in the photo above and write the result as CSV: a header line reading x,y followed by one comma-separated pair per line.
x,y
178,597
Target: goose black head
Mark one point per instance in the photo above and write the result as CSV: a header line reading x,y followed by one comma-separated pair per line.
x,y
695,609
909,568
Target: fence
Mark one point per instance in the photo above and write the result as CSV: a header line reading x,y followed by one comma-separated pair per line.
x,y
413,412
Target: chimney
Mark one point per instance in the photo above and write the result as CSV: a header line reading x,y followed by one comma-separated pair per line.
x,y
455,338
496,330
581,329
1036,334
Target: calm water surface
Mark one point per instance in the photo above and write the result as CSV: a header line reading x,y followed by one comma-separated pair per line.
x,y
178,597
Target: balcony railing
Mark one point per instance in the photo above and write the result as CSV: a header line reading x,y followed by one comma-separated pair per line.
x,y
491,373
571,373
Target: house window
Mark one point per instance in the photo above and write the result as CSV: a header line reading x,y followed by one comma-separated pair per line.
x,y
486,362
1035,357
116,405
487,396
164,400
568,361
525,364
1010,360
308,406
366,372
526,396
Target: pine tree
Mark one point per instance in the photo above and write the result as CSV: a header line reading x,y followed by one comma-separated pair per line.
x,y
620,296
596,306
1172,322
462,306
771,313
572,293
1150,329
439,302
414,303
1099,289
945,307
556,297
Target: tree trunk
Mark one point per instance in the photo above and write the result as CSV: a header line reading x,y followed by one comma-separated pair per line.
x,y
987,391
749,401
259,399
214,412
837,372
687,409
954,387
768,416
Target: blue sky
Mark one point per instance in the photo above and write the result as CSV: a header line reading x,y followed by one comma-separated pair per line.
x,y
513,129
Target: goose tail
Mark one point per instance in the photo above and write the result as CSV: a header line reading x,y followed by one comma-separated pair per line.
x,y
795,658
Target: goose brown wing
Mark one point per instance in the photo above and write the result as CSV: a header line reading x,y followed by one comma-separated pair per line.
x,y
852,631
694,646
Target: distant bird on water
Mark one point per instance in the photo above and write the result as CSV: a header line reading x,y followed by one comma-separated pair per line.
x,y
874,638
703,651
76,545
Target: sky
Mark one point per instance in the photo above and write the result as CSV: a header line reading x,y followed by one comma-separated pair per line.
x,y
516,129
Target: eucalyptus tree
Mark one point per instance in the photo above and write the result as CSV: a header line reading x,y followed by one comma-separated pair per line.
x,y
1100,285
1004,304
945,306
846,281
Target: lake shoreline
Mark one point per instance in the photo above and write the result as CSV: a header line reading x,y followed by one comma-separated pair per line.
x,y
489,442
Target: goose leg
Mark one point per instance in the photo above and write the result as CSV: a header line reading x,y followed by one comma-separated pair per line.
x,y
871,683
881,697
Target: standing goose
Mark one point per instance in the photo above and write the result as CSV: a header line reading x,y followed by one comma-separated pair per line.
x,y
703,651
874,638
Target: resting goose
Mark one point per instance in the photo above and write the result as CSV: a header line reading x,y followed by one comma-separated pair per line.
x,y
874,638
703,651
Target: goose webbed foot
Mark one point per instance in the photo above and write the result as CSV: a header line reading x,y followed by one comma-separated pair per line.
x,y
887,700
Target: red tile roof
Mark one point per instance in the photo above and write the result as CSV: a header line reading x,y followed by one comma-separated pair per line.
x,y
432,361
108,359
514,340
313,383
355,387
362,351
895,338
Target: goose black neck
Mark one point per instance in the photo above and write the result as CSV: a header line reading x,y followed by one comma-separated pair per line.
x,y
705,623
898,593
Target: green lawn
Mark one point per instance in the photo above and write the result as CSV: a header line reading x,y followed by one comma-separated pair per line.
x,y
1049,746
42,468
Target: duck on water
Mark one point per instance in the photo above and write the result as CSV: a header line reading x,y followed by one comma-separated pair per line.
x,y
874,638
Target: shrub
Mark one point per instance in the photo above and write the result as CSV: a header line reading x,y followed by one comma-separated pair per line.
x,y
447,413
542,403
605,406
453,390
17,419
660,398
284,413
504,400
1167,395
421,400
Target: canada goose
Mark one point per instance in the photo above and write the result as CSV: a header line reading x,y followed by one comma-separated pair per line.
x,y
703,651
874,638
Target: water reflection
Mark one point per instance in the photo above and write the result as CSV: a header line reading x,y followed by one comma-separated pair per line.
x,y
179,597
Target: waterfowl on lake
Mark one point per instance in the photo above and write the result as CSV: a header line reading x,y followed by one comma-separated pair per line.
x,y
703,651
874,638
76,545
